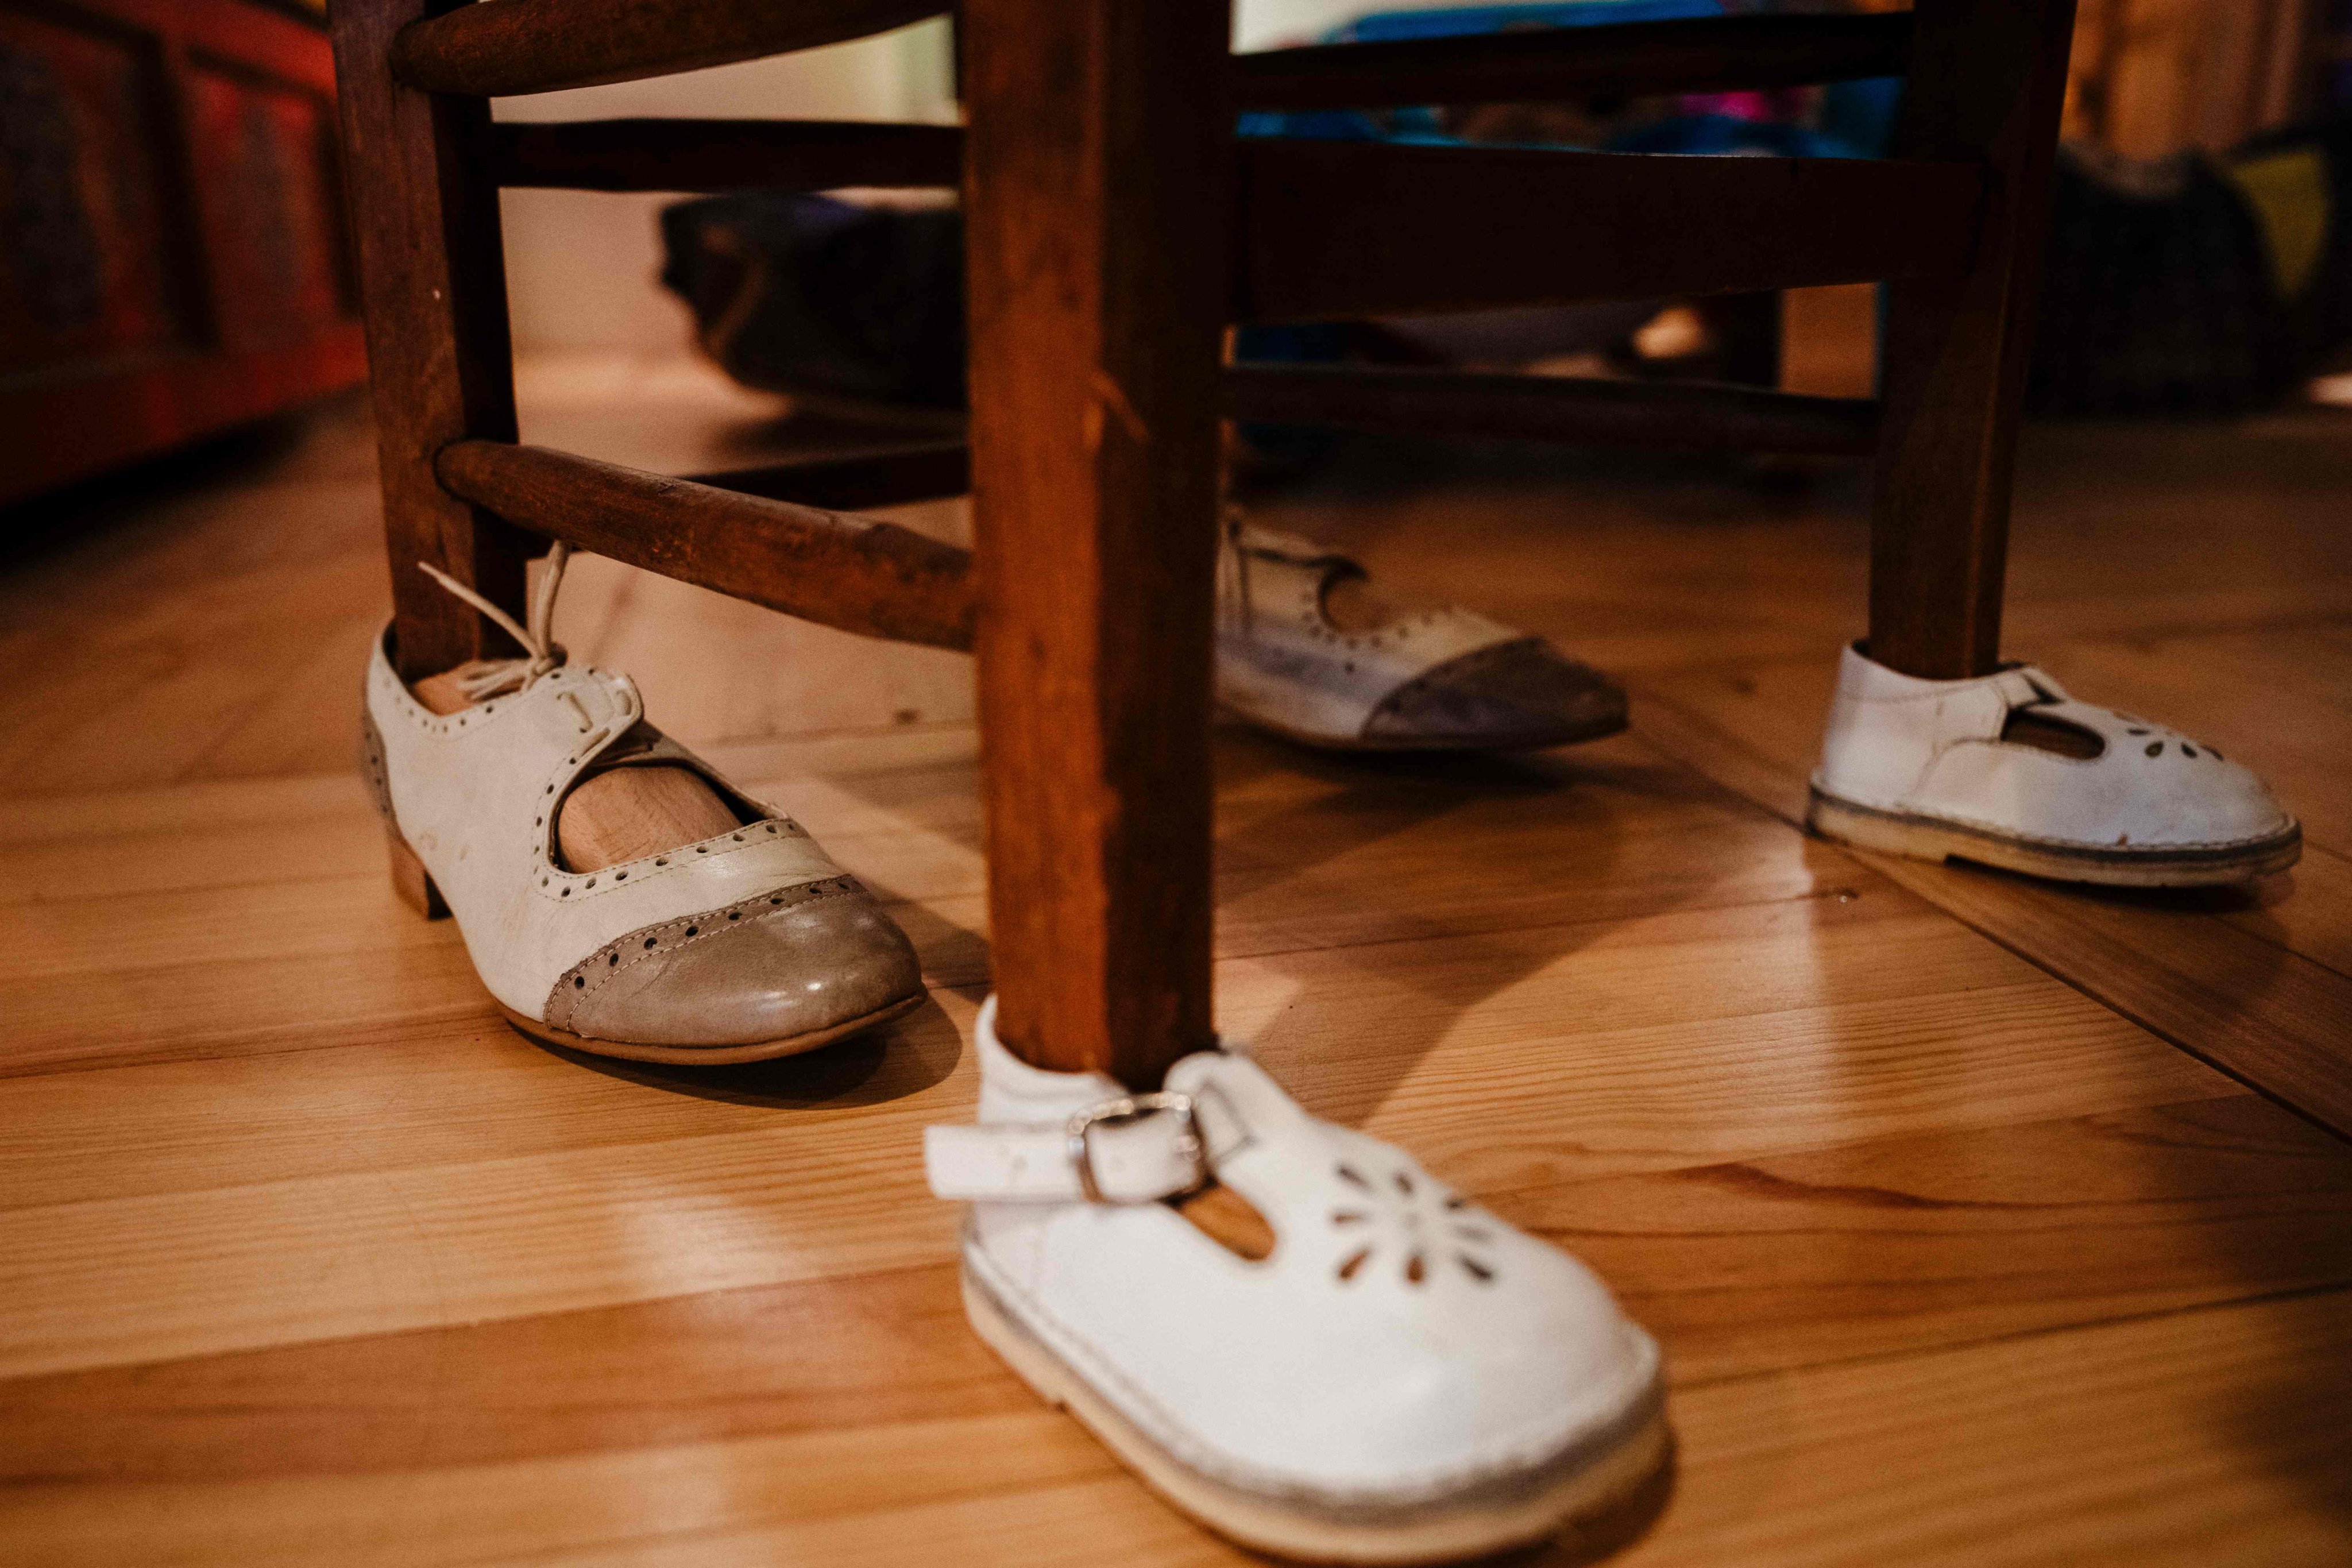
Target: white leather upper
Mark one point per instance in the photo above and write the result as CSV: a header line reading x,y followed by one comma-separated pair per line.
x,y
1933,748
1400,1344
1283,663
474,794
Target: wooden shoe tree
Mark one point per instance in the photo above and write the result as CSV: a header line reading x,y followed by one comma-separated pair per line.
x,y
622,814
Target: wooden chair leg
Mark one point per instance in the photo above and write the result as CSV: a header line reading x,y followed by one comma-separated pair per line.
x,y
1096,194
425,220
1987,82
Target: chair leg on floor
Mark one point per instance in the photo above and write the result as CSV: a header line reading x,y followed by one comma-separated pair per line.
x,y
1987,82
1095,200
425,218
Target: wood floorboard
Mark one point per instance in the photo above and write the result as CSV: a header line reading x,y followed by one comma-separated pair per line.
x,y
1957,1258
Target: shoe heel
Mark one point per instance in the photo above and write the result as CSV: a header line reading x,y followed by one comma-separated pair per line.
x,y
411,880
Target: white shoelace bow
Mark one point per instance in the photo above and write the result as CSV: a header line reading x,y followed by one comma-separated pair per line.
x,y
481,677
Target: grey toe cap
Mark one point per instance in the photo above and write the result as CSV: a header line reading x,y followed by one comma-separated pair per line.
x,y
789,963
1514,696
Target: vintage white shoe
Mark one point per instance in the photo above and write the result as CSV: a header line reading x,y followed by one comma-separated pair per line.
x,y
2007,769
747,946
1443,679
1403,1378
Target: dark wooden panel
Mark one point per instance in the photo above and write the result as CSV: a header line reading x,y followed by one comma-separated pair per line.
x,y
1671,415
54,432
852,572
1705,56
172,244
723,155
1334,229
1990,81
424,225
882,479
539,45
1097,205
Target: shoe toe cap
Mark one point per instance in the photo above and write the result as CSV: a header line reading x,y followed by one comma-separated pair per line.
x,y
798,969
1516,694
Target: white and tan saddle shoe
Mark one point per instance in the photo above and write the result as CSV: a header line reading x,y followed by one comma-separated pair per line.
x,y
2007,769
1402,1378
1293,659
746,945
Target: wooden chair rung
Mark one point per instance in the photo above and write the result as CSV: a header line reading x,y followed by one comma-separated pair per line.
x,y
933,471
857,573
1624,60
723,154
516,47
1330,230
1666,416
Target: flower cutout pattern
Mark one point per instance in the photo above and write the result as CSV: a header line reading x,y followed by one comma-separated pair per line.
x,y
1403,1213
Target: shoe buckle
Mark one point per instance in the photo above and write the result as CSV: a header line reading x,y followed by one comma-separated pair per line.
x,y
1079,1134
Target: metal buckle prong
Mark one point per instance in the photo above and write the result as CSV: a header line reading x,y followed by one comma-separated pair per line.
x,y
1079,1133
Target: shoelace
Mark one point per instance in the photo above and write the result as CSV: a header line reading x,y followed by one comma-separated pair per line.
x,y
482,678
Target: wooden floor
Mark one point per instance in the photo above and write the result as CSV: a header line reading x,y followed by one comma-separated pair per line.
x,y
1964,1245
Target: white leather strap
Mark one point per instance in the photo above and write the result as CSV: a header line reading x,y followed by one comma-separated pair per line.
x,y
1133,1149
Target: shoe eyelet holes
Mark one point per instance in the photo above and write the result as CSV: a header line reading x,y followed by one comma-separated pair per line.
x,y
694,930
739,838
2186,750
567,892
579,982
1478,1270
778,899
543,882
620,875
772,827
701,849
734,914
1415,1271
612,960
1349,1173
2156,748
1456,1200
2135,731
590,882
1349,1216
661,860
1403,1183
1353,1264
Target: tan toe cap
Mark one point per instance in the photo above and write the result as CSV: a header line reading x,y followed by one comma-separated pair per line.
x,y
789,963
1514,696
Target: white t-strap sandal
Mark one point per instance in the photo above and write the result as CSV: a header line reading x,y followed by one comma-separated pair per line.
x,y
1404,1378
2009,769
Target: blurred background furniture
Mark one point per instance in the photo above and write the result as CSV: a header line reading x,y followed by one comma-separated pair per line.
x,y
172,258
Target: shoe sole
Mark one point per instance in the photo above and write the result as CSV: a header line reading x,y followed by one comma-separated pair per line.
x,y
1406,744
414,885
1927,838
710,1055
1588,1487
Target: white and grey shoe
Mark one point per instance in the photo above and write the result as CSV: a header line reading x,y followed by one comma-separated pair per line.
x,y
2009,769
1402,1378
749,944
1291,660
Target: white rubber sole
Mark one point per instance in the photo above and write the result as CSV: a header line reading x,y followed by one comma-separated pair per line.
x,y
1591,1485
1926,839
